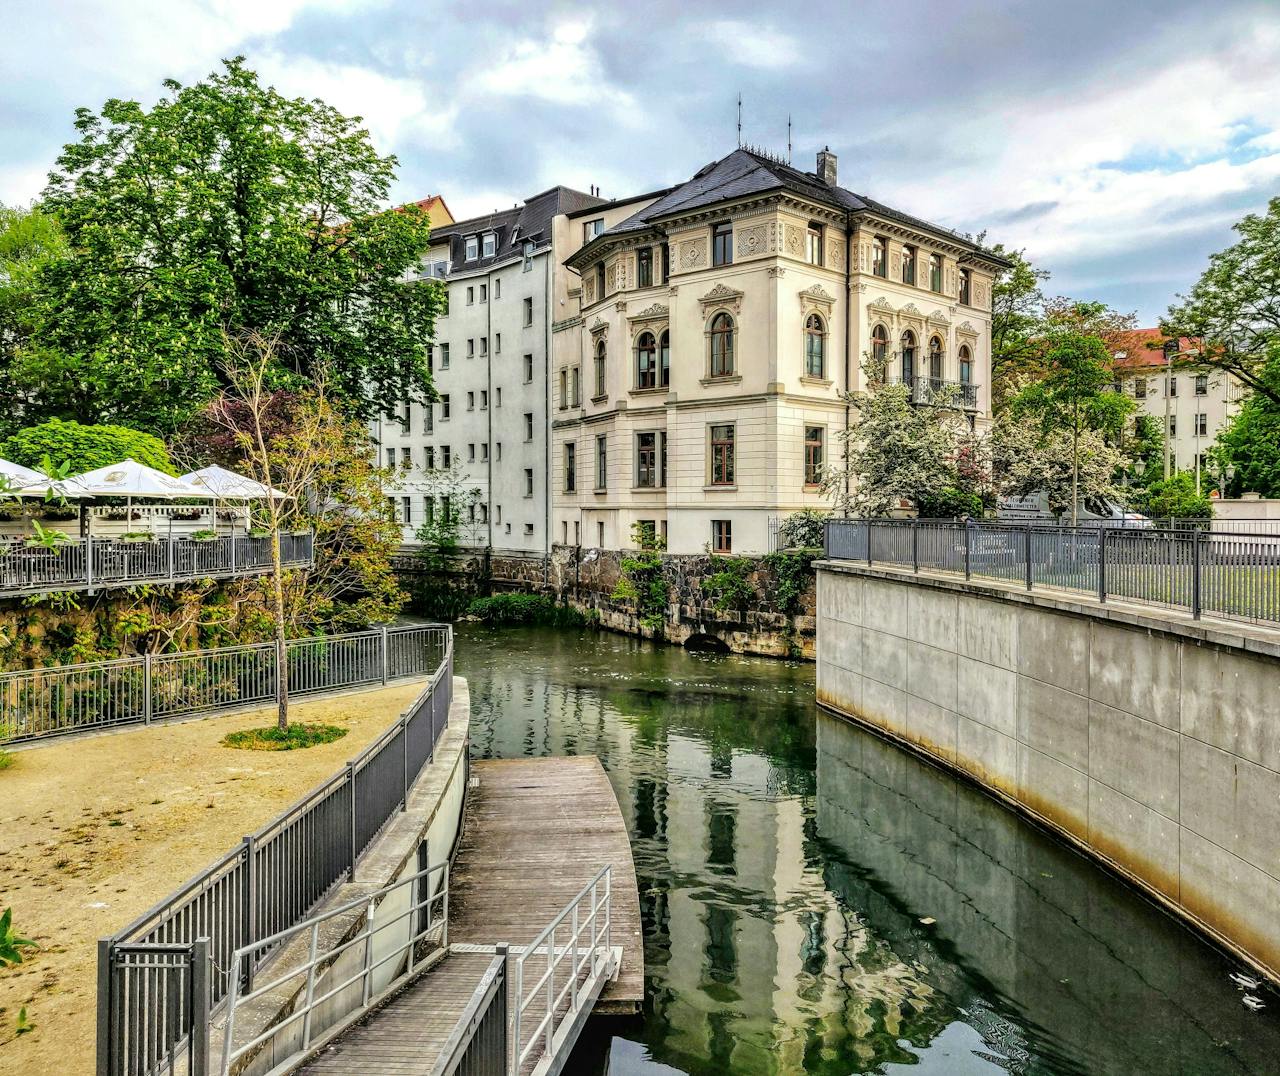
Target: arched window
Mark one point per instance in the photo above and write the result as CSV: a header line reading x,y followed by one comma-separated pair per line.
x,y
646,362
935,358
721,345
879,349
601,362
968,390
664,359
908,357
815,347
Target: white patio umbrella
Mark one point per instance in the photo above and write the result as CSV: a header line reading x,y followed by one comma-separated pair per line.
x,y
228,486
130,479
26,482
16,476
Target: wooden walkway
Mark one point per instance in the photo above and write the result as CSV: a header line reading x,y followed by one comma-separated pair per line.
x,y
536,831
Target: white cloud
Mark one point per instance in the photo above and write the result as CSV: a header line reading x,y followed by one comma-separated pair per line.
x,y
751,44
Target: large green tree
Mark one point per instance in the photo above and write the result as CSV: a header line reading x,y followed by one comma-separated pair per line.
x,y
225,206
1232,314
1074,398
1247,450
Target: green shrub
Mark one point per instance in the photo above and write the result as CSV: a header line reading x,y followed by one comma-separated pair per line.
x,y
803,530
729,586
1174,497
523,609
950,503
85,448
793,573
289,738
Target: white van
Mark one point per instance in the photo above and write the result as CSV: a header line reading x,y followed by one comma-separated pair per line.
x,y
1091,511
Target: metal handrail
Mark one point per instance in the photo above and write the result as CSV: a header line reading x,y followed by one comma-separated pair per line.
x,y
328,956
544,1031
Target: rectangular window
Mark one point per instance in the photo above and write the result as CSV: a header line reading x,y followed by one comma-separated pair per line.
x,y
528,425
484,293
647,460
406,510
528,257
471,348
444,407
490,244
497,399
528,311
813,245
935,272
391,458
528,368
1202,424
1140,388
602,463
528,529
1173,425
444,356
431,458
473,250
1202,384
497,343
812,455
497,289
1171,386
484,345
564,389
471,453
722,535
407,415
577,386
879,256
666,263
644,267
722,244
600,535
908,265
964,286
471,296
471,401
592,228
406,458
498,451
722,455
484,399
446,457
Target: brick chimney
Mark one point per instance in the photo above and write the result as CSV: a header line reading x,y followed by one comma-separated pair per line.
x,y
827,166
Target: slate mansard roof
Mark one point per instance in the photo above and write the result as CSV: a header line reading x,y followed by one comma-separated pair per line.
x,y
530,222
744,173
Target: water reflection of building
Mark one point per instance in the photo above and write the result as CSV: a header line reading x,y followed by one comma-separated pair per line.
x,y
754,965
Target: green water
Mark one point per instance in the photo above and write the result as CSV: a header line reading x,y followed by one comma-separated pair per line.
x,y
788,863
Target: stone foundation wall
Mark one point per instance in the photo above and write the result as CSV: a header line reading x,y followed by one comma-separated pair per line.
x,y
585,580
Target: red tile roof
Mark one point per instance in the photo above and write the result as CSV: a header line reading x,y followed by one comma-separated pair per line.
x,y
1142,348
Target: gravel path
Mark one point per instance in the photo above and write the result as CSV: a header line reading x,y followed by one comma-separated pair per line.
x,y
97,830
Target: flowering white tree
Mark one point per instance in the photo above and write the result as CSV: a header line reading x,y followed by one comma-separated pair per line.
x,y
1026,459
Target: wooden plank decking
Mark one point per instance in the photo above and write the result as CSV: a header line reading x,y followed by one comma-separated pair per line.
x,y
536,831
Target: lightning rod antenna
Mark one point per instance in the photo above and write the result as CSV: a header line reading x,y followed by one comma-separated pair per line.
x,y
739,121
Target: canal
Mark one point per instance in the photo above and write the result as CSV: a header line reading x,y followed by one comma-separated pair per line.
x,y
816,900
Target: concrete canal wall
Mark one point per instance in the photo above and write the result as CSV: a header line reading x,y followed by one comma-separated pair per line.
x,y
1149,740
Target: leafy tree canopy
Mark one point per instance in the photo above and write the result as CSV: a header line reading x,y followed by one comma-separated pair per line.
x,y
1248,447
224,206
1232,314
85,448
1174,497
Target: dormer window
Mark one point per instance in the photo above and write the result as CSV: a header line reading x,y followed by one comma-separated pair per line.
x,y
473,247
490,244
592,228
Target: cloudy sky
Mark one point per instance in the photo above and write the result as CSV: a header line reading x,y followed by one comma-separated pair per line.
x,y
1116,141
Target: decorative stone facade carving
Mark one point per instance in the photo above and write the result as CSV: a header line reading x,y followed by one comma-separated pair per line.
x,y
722,298
693,253
599,327
835,254
753,240
794,241
816,299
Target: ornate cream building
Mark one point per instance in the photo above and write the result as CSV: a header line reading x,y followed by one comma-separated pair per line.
x,y
703,338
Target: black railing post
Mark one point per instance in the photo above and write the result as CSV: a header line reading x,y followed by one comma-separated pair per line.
x,y
404,742
148,694
1102,564
915,546
1195,573
106,996
198,1064
1028,541
383,656
249,898
868,526
968,551
351,784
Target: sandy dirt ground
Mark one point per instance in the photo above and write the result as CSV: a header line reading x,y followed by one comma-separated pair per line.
x,y
97,830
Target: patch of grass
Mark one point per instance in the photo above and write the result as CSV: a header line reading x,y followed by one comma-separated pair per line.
x,y
6,759
291,738
518,608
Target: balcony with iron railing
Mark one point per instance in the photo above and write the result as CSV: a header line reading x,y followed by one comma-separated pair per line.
x,y
32,567
939,392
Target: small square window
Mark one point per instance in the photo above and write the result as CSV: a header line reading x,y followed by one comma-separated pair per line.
x,y
722,535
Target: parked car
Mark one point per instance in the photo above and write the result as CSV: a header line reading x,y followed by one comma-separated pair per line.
x,y
1091,511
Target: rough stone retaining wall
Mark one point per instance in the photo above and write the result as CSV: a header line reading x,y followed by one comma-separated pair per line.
x,y
1150,740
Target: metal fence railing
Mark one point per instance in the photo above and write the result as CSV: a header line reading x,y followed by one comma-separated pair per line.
x,y
100,563
1214,572
161,977
36,703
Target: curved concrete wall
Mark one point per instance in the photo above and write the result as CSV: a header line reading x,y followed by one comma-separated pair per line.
x,y
1150,741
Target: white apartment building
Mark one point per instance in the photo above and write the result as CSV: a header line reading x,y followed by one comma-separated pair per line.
x,y
1197,400
490,367
710,331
